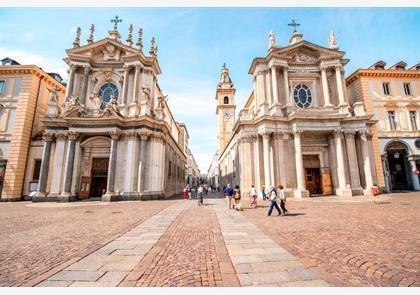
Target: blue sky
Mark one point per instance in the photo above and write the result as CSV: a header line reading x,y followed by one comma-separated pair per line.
x,y
195,42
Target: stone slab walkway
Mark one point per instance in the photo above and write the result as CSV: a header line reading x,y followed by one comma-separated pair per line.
x,y
258,260
109,265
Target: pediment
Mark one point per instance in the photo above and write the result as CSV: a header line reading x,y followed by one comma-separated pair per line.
x,y
304,52
104,50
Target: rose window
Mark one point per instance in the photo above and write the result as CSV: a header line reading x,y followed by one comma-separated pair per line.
x,y
302,96
107,90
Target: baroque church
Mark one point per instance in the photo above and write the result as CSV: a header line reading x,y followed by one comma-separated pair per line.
x,y
298,127
114,136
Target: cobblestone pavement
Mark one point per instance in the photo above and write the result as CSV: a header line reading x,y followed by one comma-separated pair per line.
x,y
188,258
37,237
258,260
350,241
109,265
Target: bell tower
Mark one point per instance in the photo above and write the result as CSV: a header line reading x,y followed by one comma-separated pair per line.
x,y
225,96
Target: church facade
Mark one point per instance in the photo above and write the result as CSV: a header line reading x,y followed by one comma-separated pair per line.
x,y
114,136
298,127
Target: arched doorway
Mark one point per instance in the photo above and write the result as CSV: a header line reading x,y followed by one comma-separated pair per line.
x,y
399,169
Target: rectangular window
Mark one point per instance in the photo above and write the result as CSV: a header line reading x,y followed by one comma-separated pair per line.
x,y
407,89
37,169
391,118
413,118
2,83
387,88
170,169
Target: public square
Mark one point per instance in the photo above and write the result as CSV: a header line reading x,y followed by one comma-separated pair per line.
x,y
324,241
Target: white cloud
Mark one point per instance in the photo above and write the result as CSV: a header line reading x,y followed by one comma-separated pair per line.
x,y
26,58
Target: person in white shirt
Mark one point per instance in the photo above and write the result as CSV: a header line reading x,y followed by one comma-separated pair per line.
x,y
273,201
253,196
282,195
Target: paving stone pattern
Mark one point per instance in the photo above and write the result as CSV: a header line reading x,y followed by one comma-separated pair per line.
x,y
109,265
258,260
350,241
37,238
188,258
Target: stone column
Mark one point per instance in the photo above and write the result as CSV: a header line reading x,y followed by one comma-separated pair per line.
x,y
136,84
301,191
275,85
366,162
131,172
66,195
286,86
343,189
86,70
341,98
385,168
256,95
142,163
327,102
353,164
125,84
266,153
58,165
43,175
257,171
70,84
414,177
110,194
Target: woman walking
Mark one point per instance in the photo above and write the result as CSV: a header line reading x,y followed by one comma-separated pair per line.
x,y
282,200
273,201
253,196
263,193
237,198
186,193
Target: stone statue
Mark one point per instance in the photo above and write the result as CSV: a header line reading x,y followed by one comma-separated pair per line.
x,y
272,38
71,106
53,94
332,40
97,104
111,109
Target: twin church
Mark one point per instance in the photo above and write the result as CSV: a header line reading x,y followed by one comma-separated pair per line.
x,y
298,127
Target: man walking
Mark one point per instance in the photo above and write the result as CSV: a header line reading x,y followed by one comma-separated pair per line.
x,y
229,193
273,201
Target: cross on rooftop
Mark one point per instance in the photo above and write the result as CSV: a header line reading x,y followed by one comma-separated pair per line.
x,y
294,25
116,20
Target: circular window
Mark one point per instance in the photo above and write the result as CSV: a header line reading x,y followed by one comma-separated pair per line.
x,y
106,91
302,96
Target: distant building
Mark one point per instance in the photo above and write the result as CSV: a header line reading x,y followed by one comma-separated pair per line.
x,y
392,96
213,172
25,91
193,173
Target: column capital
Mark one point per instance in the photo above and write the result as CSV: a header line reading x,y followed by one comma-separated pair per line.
x,y
297,132
61,136
72,135
86,69
266,134
143,135
48,137
73,67
127,67
338,67
349,133
365,134
115,134
337,133
129,133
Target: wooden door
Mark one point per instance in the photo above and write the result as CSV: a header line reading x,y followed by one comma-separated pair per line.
x,y
85,187
313,180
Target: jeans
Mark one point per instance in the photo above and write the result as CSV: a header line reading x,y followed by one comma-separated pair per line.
x,y
273,204
283,208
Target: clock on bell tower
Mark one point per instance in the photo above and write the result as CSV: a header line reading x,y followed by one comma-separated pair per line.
x,y
225,96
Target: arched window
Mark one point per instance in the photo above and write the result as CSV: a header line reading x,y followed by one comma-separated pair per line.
x,y
107,90
226,100
302,96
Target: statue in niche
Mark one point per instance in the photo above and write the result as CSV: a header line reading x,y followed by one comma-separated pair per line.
x,y
53,94
111,108
97,103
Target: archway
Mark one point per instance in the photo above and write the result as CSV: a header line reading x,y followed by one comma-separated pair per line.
x,y
399,169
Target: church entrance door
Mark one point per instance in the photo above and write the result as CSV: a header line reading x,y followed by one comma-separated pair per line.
x,y
99,177
398,166
312,167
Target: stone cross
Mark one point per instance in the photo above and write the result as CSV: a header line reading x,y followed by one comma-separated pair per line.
x,y
294,25
116,20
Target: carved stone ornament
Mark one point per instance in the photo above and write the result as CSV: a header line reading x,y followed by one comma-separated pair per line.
x,y
300,57
53,94
97,104
161,100
145,93
72,106
112,109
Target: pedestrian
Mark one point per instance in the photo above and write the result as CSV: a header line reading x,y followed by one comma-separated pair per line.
x,y
185,191
189,192
375,192
283,197
253,196
237,198
229,193
273,201
200,193
263,193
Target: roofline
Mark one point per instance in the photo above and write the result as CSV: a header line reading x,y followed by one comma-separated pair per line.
x,y
381,73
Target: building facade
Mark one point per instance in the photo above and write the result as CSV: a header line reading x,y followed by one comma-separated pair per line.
x,y
213,172
392,96
298,127
193,172
114,137
24,94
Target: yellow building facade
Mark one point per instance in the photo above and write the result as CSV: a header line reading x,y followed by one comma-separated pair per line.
x,y
392,96
24,94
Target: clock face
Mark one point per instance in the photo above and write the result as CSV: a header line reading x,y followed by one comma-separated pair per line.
x,y
227,114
